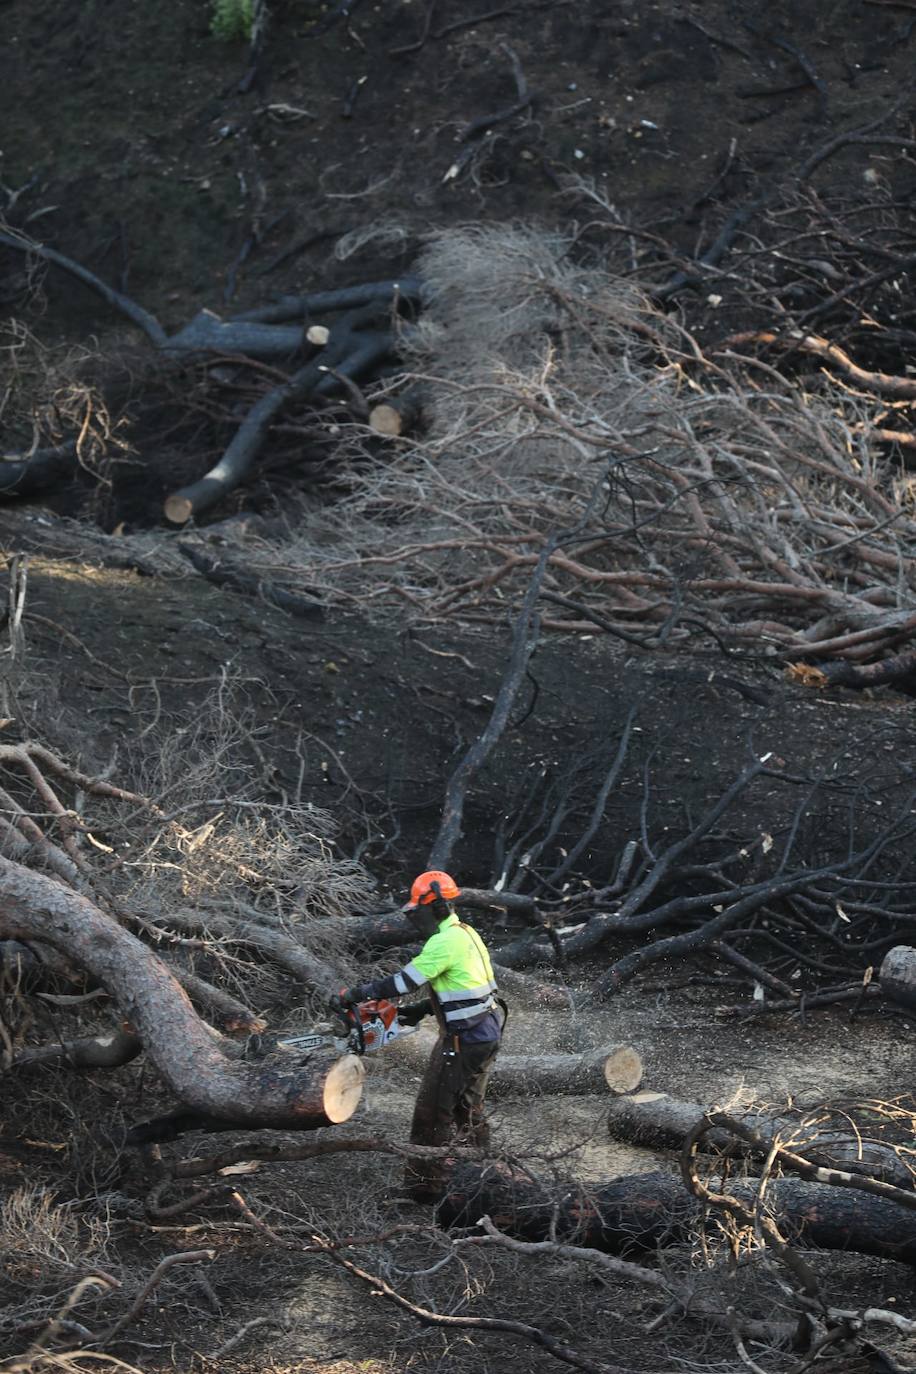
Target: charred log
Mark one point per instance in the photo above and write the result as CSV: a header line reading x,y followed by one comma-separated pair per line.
x,y
655,1119
897,975
24,475
224,574
269,1094
390,293
615,1069
897,671
639,1213
208,333
108,1051
351,350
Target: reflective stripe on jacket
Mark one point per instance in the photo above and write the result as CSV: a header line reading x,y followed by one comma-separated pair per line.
x,y
457,966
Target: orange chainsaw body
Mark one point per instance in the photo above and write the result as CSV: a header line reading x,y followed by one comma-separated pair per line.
x,y
379,1022
370,1026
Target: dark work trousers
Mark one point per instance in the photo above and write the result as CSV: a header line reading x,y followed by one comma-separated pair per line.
x,y
450,1103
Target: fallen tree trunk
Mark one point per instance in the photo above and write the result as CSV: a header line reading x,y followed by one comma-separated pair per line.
x,y
524,988
266,1094
29,968
615,1068
612,1069
107,1051
26,474
208,333
349,350
898,670
279,945
227,1012
223,574
642,1212
259,334
657,1120
327,302
897,975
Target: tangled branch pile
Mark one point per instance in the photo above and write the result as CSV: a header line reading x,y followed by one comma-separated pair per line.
x,y
733,501
171,920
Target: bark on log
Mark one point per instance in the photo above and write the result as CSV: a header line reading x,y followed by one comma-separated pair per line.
x,y
352,352
897,975
516,904
615,1068
279,946
208,333
389,930
227,1012
898,670
327,302
46,467
640,1212
266,1094
520,987
223,574
88,1052
660,1121
33,966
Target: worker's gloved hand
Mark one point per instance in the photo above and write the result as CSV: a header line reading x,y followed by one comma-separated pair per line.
x,y
413,1015
345,998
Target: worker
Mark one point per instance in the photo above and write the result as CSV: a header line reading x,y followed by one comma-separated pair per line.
x,y
454,962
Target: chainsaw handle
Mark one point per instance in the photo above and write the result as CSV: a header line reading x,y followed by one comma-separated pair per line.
x,y
350,1019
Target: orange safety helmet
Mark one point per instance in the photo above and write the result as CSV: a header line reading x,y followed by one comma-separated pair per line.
x,y
423,891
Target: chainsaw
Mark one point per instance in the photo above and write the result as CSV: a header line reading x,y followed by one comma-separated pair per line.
x,y
364,1029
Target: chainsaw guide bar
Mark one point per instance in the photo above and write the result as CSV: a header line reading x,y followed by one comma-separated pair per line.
x,y
370,1026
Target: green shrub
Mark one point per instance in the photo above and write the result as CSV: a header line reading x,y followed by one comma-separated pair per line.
x,y
232,19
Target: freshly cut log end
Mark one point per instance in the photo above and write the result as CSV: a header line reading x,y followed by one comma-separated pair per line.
x,y
343,1089
623,1070
617,1067
395,417
318,334
324,1099
385,420
178,509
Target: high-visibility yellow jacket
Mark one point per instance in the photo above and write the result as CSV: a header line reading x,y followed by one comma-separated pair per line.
x,y
456,965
